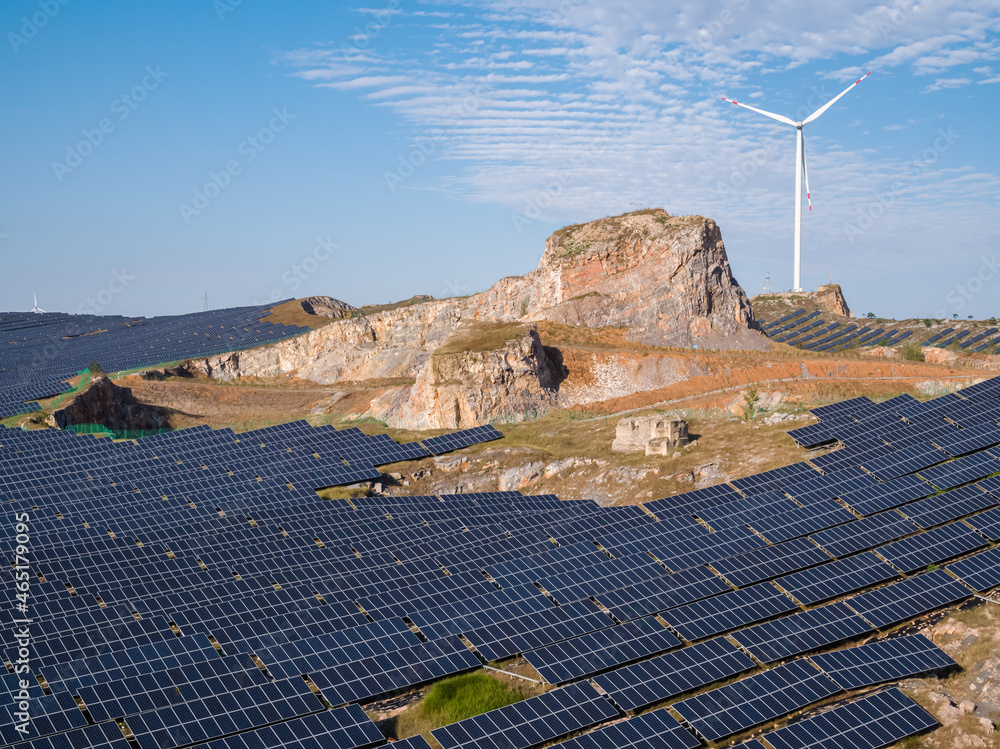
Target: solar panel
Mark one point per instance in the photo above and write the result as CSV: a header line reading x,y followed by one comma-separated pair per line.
x,y
764,564
908,598
601,650
911,459
464,438
653,596
931,547
756,699
882,661
962,471
802,521
980,571
712,616
871,723
836,578
529,722
887,495
866,533
672,674
656,730
948,506
802,632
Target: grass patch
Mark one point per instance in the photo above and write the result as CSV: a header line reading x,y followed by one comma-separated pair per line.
x,y
473,337
454,699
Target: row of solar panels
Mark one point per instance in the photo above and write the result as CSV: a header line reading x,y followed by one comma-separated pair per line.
x,y
905,598
39,352
805,331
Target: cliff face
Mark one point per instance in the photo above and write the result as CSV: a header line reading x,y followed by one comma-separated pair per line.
x,y
666,280
114,407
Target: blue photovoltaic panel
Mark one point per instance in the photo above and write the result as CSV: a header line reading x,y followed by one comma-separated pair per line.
x,y
837,578
764,564
980,571
656,730
864,534
802,632
887,495
757,699
933,546
652,596
675,673
987,523
948,506
713,616
962,471
882,661
872,723
909,598
601,650
802,521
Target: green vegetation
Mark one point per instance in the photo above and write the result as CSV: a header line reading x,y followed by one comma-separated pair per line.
x,y
750,400
927,323
912,351
454,699
95,369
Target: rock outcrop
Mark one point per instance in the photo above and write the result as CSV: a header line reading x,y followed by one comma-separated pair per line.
x,y
831,298
664,280
326,306
113,407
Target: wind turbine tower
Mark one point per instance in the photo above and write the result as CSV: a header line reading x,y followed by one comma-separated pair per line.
x,y
800,166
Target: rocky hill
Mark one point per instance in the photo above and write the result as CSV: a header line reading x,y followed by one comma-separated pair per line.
x,y
661,280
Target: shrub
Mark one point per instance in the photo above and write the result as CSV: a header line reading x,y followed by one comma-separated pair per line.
x,y
750,400
927,323
95,368
912,351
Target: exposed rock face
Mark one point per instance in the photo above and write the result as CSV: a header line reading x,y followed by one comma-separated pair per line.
x,y
831,298
327,306
665,279
112,406
651,435
460,390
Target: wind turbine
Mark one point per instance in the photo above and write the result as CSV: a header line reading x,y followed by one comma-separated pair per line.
x,y
800,166
36,309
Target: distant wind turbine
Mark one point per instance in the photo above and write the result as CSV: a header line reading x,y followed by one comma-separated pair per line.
x,y
800,167
36,309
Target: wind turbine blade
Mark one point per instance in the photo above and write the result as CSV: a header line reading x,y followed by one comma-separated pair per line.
x,y
830,103
772,115
805,172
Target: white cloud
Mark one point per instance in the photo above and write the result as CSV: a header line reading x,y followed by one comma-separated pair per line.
x,y
942,84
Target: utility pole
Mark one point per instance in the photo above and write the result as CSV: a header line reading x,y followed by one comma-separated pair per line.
x,y
767,283
205,308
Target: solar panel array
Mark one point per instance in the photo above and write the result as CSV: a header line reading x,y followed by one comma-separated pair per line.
x,y
40,352
201,568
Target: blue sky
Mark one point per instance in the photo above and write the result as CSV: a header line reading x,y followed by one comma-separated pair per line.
x,y
155,152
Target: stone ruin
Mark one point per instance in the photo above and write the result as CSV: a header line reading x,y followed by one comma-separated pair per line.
x,y
654,435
